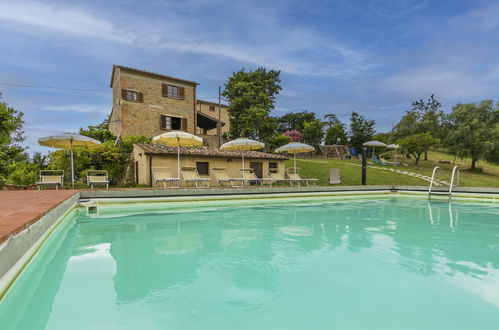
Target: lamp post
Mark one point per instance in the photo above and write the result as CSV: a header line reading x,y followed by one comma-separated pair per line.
x,y
364,165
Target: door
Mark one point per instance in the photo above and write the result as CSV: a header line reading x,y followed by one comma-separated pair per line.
x,y
257,167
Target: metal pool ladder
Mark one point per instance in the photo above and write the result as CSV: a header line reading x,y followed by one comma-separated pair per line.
x,y
454,171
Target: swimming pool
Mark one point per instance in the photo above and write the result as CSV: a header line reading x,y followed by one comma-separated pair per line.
x,y
378,262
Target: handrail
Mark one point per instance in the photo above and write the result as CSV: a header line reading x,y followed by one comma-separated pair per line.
x,y
452,179
433,178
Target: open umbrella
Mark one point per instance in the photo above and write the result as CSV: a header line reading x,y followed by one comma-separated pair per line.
x,y
242,144
178,139
68,141
374,144
295,148
394,146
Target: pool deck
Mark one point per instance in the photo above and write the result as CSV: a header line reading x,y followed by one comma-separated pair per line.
x,y
20,209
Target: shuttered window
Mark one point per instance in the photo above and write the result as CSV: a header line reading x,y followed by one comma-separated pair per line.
x,y
173,92
212,108
273,167
132,96
173,123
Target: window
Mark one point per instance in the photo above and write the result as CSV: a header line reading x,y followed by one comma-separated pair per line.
x,y
132,96
212,108
173,123
273,167
174,92
202,167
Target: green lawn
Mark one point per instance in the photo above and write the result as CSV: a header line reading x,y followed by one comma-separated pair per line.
x,y
487,176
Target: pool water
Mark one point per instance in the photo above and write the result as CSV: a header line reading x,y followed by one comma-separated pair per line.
x,y
382,263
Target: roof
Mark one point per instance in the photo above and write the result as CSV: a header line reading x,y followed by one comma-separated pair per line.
x,y
211,103
161,149
155,75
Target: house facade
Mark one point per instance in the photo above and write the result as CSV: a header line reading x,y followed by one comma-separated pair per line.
x,y
147,103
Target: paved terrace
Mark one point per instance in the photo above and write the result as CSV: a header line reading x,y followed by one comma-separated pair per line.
x,y
20,209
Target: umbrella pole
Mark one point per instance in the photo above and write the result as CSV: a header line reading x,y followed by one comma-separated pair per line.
x,y
178,161
242,156
294,157
72,165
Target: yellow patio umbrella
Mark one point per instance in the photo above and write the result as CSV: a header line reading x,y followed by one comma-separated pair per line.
x,y
295,148
68,141
178,139
242,144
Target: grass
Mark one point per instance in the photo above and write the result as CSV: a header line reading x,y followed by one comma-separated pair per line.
x,y
486,176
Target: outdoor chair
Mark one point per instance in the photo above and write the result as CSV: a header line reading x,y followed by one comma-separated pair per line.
x,y
163,174
334,176
249,176
50,178
190,174
97,177
278,176
222,177
294,176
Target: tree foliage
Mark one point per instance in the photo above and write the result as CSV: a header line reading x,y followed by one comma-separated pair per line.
x,y
361,130
335,130
313,132
277,141
251,96
11,137
99,132
417,144
474,131
294,121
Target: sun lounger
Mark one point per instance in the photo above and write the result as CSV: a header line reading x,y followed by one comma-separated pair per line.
x,y
277,176
334,176
190,174
97,177
250,176
294,176
50,178
222,177
163,174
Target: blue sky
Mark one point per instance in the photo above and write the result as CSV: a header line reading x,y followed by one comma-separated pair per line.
x,y
373,57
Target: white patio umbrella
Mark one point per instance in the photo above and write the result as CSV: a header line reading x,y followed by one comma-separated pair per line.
x,y
178,139
393,146
242,144
68,141
295,148
374,144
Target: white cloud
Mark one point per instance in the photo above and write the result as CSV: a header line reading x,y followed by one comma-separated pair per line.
x,y
78,108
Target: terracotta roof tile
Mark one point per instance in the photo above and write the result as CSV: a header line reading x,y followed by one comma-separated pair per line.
x,y
161,149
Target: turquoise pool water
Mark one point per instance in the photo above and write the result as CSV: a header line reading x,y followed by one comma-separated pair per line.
x,y
382,263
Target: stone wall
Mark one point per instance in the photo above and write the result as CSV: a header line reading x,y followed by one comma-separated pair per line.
x,y
144,118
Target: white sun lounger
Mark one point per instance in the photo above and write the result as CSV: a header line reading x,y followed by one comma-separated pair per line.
x,y
294,176
97,177
222,177
278,176
50,178
190,174
163,174
250,176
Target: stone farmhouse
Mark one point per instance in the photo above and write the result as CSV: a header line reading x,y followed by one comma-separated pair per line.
x,y
147,103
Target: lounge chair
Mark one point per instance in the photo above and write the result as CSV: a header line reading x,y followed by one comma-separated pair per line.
x,y
50,178
163,174
97,177
250,176
277,176
378,161
222,177
334,176
190,174
294,176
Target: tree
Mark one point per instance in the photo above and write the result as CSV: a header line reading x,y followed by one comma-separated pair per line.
x,y
361,130
277,141
335,130
417,144
294,121
424,117
99,132
313,133
382,137
294,135
11,137
251,96
473,130
25,170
